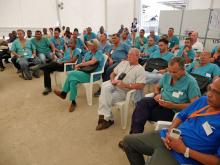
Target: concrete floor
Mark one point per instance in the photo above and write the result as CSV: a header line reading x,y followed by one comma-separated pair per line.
x,y
39,130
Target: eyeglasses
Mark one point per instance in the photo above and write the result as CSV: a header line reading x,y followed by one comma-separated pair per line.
x,y
210,89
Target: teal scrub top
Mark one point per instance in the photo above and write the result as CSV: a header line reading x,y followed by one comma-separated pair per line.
x,y
42,45
66,56
150,50
120,53
182,91
156,38
25,52
89,37
105,48
209,70
173,41
191,53
58,45
127,42
137,42
166,56
214,50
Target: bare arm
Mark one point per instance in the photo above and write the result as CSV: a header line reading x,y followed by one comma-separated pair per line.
x,y
184,105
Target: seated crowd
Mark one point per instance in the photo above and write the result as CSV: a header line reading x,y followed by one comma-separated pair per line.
x,y
185,79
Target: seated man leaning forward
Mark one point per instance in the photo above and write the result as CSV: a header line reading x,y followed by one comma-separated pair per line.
x,y
75,77
70,56
198,143
175,91
154,77
126,76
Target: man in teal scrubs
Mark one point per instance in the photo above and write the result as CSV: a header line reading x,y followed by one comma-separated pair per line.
x,y
203,67
155,76
59,43
156,37
147,50
89,35
186,51
25,53
75,77
43,47
119,52
140,41
173,40
125,39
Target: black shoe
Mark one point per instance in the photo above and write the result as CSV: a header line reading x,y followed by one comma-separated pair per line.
x,y
46,91
36,76
2,69
97,94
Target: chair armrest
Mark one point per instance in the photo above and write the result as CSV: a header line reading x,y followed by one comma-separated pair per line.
x,y
130,93
68,64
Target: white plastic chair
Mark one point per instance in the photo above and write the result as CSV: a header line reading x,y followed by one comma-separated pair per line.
x,y
123,106
89,86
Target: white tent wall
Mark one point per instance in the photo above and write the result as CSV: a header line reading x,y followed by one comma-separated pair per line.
x,y
27,14
120,12
32,14
83,13
203,4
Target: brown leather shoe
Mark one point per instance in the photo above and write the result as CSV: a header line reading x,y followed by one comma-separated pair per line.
x,y
72,107
101,117
121,145
58,93
104,124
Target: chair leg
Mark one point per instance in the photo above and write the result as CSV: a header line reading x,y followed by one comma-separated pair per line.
x,y
124,116
89,89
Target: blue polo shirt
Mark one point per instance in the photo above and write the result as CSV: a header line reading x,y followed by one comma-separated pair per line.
x,y
166,56
173,41
120,53
58,43
194,135
209,70
182,91
191,53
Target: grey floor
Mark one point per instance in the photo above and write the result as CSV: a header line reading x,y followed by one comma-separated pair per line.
x,y
39,130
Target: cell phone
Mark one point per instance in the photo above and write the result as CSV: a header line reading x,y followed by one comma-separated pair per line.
x,y
175,133
121,76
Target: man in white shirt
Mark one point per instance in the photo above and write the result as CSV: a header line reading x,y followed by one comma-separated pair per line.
x,y
196,44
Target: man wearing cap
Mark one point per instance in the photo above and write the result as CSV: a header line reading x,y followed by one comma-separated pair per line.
x,y
198,143
75,77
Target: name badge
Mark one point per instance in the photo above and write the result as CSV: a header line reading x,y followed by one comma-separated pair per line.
x,y
176,94
207,128
181,93
208,75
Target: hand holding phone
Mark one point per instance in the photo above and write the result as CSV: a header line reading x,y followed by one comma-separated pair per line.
x,y
175,133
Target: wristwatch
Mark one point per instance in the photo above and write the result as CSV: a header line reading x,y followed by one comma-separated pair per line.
x,y
186,154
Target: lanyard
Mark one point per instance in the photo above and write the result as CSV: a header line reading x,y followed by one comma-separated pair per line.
x,y
197,113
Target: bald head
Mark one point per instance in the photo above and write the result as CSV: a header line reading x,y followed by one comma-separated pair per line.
x,y
133,56
194,36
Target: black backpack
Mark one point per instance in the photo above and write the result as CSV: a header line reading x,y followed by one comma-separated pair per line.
x,y
155,63
202,81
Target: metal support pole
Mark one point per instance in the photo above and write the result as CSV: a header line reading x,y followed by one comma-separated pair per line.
x,y
181,22
207,29
58,13
106,15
